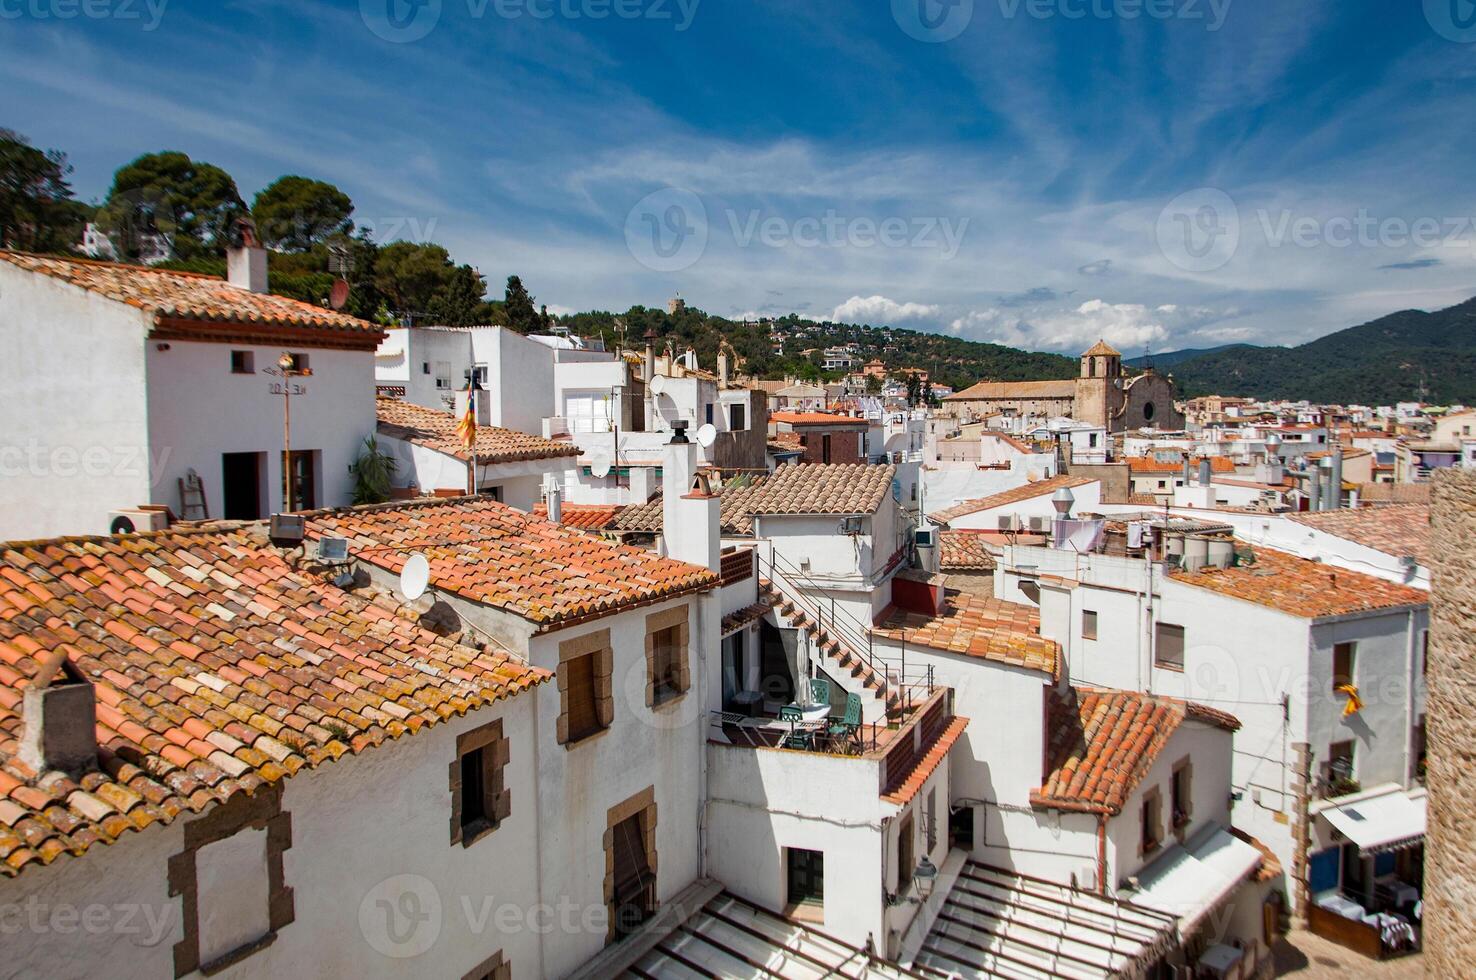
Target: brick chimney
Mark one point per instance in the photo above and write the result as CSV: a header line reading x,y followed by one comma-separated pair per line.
x,y
690,510
59,710
246,260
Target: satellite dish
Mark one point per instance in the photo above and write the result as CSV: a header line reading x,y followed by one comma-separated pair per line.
x,y
707,435
340,295
599,466
414,577
658,384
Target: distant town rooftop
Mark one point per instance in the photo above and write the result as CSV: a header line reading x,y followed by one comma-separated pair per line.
x,y
436,430
1301,587
1401,529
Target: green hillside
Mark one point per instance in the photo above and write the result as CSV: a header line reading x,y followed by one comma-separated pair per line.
x,y
1407,356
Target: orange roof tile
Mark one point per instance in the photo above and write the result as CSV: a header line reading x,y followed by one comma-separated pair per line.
x,y
1015,495
977,626
586,517
1303,588
815,418
927,763
549,574
190,296
1102,349
218,669
795,488
1101,743
964,551
1402,529
437,430
1147,464
1010,390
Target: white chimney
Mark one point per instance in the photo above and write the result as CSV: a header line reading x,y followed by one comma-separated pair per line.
x,y
59,709
246,261
555,502
690,510
724,368
642,483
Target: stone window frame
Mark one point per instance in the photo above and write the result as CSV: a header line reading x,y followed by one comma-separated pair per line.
x,y
487,738
494,967
643,805
260,811
1152,804
597,644
1184,767
680,619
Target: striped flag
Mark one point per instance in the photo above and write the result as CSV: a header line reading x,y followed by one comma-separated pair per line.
x,y
466,429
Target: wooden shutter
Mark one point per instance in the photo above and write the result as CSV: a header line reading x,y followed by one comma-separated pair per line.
x,y
584,718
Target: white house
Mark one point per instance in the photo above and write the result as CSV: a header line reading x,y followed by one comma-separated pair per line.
x,y
133,387
1027,507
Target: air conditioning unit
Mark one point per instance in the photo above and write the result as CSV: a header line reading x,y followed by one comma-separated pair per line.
x,y
1038,524
1006,522
134,520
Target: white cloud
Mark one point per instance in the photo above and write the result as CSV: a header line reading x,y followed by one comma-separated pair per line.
x,y
1126,326
881,310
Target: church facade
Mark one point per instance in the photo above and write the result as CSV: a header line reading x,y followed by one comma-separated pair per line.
x,y
1100,395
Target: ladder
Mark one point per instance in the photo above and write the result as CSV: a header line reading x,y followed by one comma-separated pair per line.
x,y
192,498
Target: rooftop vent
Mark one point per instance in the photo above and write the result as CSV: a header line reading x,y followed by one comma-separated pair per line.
x,y
60,713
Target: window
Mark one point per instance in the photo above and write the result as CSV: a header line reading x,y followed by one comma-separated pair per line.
x,y
930,820
304,479
585,703
905,863
443,375
479,801
1168,647
425,367
667,637
1152,822
707,411
1340,771
1425,653
1088,624
806,873
299,363
1342,672
961,828
243,362
1181,801
825,449
737,417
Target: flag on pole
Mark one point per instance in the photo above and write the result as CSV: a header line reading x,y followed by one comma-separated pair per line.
x,y
466,429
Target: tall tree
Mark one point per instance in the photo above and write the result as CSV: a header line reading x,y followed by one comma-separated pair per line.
x,y
518,306
411,276
296,213
37,212
167,198
461,302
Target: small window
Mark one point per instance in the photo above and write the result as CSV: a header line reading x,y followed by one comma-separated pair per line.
x,y
242,362
479,803
443,375
425,367
737,417
906,864
1425,653
1152,822
666,663
584,718
1342,672
806,871
1168,648
1180,794
1341,769
299,363
707,409
1088,624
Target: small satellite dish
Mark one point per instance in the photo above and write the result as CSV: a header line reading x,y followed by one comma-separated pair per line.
x,y
658,384
414,577
599,466
339,297
707,435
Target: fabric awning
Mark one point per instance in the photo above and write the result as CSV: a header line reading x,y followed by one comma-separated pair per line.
x,y
1191,879
1388,822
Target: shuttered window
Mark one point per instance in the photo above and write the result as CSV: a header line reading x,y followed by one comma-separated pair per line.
x,y
1169,646
905,863
666,663
584,718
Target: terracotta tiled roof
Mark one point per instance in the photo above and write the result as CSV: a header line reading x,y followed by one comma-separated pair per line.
x,y
586,517
193,297
1147,464
977,626
1100,744
437,430
1007,390
922,770
1102,349
739,618
1010,440
963,551
1303,588
1015,495
548,574
217,669
795,488
1402,529
814,418
786,442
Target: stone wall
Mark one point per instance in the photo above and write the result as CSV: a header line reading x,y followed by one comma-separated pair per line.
x,y
1450,851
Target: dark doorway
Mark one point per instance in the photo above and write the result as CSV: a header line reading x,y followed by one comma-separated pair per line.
x,y
240,482
776,675
635,885
304,480
961,828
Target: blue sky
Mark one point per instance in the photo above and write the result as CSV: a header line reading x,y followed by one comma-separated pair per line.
x,y
1165,173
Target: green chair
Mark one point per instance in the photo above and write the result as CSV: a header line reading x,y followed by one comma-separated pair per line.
x,y
849,725
820,690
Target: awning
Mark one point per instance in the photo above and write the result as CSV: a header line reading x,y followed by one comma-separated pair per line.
x,y
1389,822
1191,879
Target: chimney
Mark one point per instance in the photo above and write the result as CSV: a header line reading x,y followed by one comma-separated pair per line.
x,y
246,260
555,496
1314,487
690,510
642,483
59,709
1188,471
1336,501
1204,472
723,367
648,367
